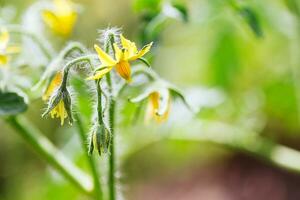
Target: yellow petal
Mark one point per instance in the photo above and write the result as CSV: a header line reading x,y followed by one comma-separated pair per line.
x,y
51,20
60,24
123,68
142,52
118,52
3,60
59,112
62,112
129,46
54,84
13,49
153,106
4,38
105,59
100,73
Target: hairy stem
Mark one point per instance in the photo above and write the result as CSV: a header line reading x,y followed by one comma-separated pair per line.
x,y
19,30
81,131
53,156
112,192
111,177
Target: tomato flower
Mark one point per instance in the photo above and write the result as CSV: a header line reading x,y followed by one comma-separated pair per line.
x,y
62,18
154,104
123,56
59,100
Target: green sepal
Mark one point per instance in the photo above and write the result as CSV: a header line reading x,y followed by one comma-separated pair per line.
x,y
145,61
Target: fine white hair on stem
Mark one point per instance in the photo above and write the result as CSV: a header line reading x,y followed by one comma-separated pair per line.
x,y
104,34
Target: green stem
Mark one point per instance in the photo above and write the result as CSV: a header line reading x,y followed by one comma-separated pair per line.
x,y
81,131
112,190
111,177
73,62
16,29
52,155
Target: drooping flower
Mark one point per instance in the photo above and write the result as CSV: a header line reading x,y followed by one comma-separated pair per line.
x,y
59,100
59,111
5,49
62,18
154,104
123,57
53,85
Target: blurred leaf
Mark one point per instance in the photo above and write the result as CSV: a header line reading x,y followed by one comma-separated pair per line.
x,y
154,27
281,104
11,104
252,20
147,5
294,6
183,10
224,61
175,11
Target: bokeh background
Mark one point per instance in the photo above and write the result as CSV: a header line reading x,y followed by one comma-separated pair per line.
x,y
230,73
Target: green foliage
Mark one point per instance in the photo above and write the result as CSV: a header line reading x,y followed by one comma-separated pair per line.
x,y
224,69
294,6
11,104
148,6
252,20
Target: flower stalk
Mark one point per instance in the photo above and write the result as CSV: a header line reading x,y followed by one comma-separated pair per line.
x,y
52,155
48,52
111,111
98,193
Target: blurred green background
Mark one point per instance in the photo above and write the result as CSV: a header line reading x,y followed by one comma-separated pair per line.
x,y
236,77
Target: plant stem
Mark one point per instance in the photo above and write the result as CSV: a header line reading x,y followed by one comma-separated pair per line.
x,y
52,155
111,178
91,161
19,30
112,152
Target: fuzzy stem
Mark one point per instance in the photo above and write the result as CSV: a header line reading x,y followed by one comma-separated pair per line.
x,y
112,151
73,62
52,155
99,102
81,131
19,30
111,178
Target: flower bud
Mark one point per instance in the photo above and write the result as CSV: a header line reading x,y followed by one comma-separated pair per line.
x,y
100,138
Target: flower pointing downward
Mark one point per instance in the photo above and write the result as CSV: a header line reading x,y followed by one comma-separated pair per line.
x,y
59,100
123,56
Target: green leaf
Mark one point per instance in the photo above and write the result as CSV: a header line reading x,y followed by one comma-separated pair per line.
x,y
147,5
183,10
252,20
224,61
11,104
294,6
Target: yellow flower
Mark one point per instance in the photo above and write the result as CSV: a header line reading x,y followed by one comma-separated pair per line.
x,y
123,56
153,107
54,84
6,50
62,19
59,111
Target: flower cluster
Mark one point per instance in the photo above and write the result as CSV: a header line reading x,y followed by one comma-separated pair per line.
x,y
118,54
